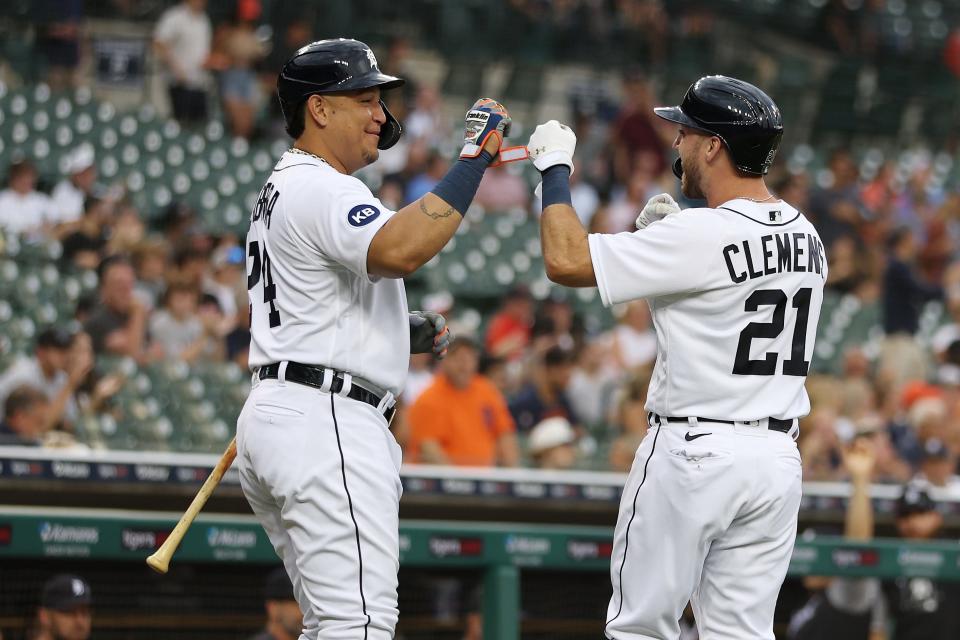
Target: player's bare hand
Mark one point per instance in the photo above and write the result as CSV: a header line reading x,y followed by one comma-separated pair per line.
x,y
486,124
429,333
657,208
859,459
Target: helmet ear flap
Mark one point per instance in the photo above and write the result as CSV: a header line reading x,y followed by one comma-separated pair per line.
x,y
390,131
677,168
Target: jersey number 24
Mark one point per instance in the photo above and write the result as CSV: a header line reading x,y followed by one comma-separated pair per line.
x,y
795,365
269,288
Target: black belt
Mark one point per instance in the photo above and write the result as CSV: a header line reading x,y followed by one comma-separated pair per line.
x,y
313,377
776,424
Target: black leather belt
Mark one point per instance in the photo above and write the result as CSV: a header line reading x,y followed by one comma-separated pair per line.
x,y
313,377
776,424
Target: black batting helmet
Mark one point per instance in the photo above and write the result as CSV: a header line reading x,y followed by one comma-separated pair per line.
x,y
741,115
329,66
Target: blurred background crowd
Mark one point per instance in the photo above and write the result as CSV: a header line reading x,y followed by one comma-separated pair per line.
x,y
132,158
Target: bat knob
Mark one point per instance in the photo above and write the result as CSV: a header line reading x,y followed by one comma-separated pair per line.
x,y
159,565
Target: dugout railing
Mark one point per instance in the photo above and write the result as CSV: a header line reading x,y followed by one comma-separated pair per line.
x,y
499,553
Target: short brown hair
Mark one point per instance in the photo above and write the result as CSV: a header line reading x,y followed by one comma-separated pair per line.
x,y
21,399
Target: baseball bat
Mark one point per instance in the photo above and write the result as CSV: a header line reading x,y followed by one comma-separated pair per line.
x,y
160,560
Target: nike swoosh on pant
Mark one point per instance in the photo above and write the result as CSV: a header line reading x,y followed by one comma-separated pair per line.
x,y
689,437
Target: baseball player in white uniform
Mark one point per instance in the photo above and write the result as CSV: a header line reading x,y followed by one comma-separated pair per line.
x,y
331,335
709,509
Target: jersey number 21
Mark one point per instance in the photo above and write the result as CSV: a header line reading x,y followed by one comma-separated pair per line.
x,y
795,365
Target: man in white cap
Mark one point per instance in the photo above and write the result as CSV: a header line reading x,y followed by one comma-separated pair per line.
x,y
552,444
71,192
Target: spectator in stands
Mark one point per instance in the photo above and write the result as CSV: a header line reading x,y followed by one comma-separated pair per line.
x,y
86,239
846,608
284,619
178,222
23,208
636,134
552,444
69,194
419,377
58,368
837,27
502,189
182,41
237,49
64,612
593,382
237,342
214,327
938,467
630,415
556,324
633,342
117,325
25,417
848,265
422,183
546,394
178,330
191,264
819,443
623,208
57,23
461,418
838,210
509,331
127,229
903,296
426,120
150,263
227,282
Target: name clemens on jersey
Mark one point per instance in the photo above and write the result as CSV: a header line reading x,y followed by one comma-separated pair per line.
x,y
776,253
265,203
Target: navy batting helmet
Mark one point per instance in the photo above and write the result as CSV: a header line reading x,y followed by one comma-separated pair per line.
x,y
329,66
741,115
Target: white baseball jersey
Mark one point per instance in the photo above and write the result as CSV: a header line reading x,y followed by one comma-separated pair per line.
x,y
311,298
735,294
321,470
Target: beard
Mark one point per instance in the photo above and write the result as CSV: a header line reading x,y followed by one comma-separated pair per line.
x,y
369,157
690,185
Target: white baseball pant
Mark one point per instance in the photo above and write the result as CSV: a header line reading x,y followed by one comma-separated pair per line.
x,y
322,474
708,519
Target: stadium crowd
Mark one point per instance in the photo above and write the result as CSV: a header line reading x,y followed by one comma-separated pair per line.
x,y
531,385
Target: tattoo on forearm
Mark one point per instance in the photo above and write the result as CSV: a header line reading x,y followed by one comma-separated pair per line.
x,y
435,215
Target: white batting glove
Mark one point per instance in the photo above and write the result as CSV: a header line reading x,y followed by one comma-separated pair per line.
x,y
657,208
551,144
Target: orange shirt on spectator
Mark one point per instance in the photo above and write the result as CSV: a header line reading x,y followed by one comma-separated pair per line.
x,y
466,423
507,337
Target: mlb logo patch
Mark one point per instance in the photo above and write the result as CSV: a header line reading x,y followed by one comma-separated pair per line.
x,y
776,216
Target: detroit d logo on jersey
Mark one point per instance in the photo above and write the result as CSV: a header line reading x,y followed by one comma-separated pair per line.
x,y
362,214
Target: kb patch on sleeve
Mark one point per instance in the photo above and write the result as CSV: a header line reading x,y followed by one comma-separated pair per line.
x,y
362,214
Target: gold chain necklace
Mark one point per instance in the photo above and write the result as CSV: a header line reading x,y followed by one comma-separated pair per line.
x,y
767,199
307,153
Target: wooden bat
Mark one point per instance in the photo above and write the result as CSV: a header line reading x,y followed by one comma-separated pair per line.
x,y
160,560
